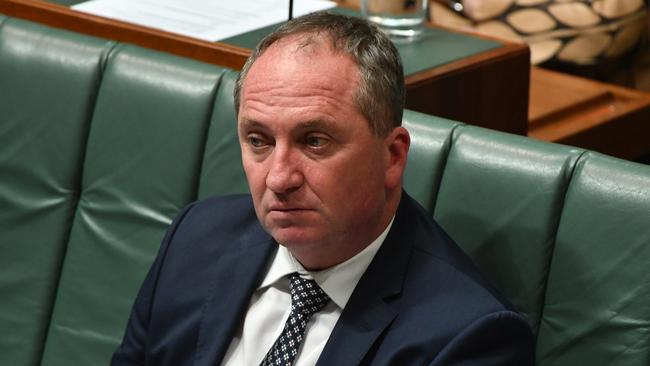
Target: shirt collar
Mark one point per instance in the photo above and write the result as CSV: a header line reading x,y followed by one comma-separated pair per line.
x,y
339,281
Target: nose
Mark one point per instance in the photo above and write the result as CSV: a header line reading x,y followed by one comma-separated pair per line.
x,y
284,175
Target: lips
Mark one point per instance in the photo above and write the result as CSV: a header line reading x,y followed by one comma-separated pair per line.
x,y
285,212
287,208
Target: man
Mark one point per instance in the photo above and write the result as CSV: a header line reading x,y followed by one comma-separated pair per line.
x,y
361,274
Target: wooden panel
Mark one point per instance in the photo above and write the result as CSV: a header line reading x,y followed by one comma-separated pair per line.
x,y
488,90
589,114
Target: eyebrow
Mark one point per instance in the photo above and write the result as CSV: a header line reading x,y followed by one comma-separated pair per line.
x,y
252,125
315,124
248,123
306,125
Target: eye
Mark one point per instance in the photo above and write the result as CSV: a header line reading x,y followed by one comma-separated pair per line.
x,y
316,141
255,141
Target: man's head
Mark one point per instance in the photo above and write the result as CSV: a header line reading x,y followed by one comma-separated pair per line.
x,y
380,96
324,171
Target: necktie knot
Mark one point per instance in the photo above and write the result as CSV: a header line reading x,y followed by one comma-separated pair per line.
x,y
307,297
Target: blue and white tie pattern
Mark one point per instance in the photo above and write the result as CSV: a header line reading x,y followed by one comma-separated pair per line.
x,y
307,298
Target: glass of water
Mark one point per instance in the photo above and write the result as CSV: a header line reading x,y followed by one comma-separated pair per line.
x,y
399,18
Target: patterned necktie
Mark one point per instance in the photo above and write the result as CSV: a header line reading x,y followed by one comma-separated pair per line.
x,y
307,298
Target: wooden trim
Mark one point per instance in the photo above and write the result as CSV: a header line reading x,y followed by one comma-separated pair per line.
x,y
60,16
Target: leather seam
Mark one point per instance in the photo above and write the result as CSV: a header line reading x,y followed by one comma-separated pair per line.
x,y
206,135
578,161
448,146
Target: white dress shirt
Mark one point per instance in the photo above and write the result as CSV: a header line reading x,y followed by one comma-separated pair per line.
x,y
271,303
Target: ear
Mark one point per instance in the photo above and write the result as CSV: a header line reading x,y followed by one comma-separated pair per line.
x,y
397,146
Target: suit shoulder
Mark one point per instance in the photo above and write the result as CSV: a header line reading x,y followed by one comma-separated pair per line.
x,y
436,256
235,202
226,209
460,282
228,218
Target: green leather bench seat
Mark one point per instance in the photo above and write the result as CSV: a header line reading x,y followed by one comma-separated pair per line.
x,y
48,84
101,143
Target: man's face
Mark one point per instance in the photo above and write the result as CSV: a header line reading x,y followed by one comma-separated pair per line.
x,y
316,172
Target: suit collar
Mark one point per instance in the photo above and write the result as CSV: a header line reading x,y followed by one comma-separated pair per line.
x,y
375,301
237,282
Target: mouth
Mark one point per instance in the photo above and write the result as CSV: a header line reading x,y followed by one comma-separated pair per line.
x,y
286,209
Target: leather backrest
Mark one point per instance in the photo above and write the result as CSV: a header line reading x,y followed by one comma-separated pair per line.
x,y
142,162
102,143
48,86
500,195
596,308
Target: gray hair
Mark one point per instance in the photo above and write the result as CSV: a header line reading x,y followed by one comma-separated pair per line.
x,y
380,97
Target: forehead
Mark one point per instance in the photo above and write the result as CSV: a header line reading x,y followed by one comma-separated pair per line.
x,y
300,80
300,61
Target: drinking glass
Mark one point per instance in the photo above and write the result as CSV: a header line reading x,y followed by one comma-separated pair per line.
x,y
399,18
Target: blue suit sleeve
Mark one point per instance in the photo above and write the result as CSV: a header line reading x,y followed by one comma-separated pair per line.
x,y
497,339
133,349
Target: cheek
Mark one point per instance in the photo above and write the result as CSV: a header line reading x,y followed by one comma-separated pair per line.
x,y
354,187
255,175
368,185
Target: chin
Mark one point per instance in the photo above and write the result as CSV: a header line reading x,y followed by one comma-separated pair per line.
x,y
295,238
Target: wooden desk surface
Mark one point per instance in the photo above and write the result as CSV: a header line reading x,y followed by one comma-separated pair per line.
x,y
489,88
590,114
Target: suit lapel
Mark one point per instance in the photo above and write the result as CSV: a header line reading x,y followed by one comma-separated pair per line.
x,y
237,273
375,300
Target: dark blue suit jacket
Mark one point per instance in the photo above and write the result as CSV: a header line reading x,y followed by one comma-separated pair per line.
x,y
420,302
